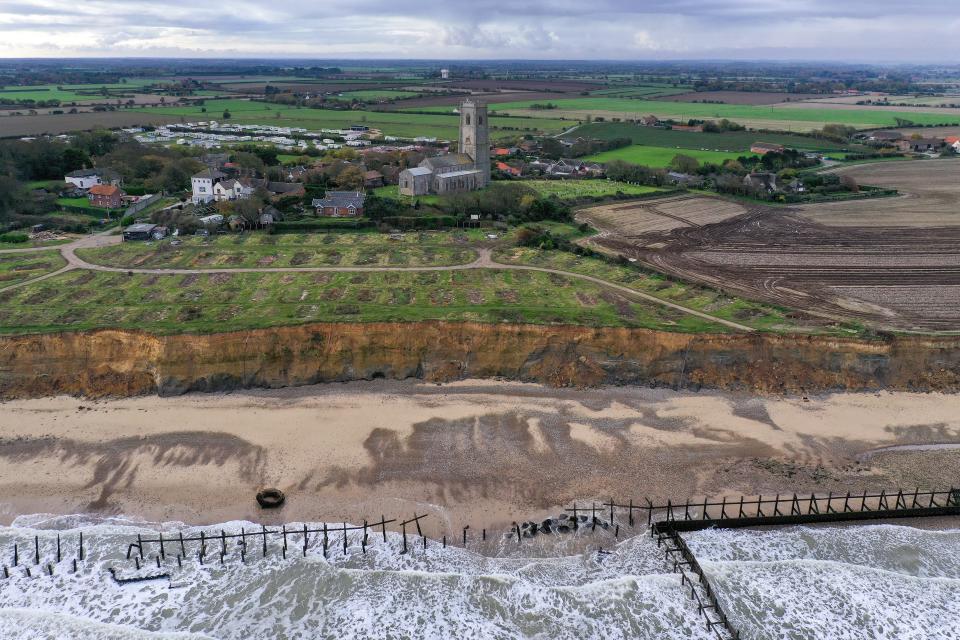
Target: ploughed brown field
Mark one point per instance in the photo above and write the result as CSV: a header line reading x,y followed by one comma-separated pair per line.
x,y
550,86
12,126
891,262
488,97
741,97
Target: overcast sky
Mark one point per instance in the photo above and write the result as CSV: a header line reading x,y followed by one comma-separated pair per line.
x,y
855,30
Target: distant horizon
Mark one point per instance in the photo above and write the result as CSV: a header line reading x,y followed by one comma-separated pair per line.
x,y
856,31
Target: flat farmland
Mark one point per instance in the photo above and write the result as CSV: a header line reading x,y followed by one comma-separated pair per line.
x,y
640,219
801,115
932,196
742,97
890,263
732,141
16,126
661,156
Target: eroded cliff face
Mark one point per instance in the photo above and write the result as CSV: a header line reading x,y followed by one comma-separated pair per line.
x,y
123,363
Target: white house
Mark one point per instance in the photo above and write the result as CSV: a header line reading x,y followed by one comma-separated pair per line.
x,y
203,185
88,178
231,190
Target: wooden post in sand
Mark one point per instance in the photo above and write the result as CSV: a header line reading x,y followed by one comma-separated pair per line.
x,y
183,548
81,545
264,540
383,524
223,542
163,552
58,547
36,549
16,555
304,540
344,538
403,526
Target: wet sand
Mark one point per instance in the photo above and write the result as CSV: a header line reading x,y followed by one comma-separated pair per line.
x,y
477,452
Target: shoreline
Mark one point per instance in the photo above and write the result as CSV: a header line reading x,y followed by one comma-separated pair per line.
x,y
473,451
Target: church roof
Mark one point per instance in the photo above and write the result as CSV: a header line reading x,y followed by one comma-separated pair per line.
x,y
458,174
452,160
419,171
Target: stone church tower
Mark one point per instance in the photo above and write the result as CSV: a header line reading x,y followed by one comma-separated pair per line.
x,y
475,136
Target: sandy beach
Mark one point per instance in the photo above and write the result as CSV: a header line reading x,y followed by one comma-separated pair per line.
x,y
477,452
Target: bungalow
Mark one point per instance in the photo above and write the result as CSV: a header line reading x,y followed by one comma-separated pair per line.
x,y
649,121
340,204
886,136
105,196
953,141
763,148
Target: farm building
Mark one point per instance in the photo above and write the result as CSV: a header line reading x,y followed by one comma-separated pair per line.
x,y
922,145
340,204
141,231
372,179
106,196
468,170
763,148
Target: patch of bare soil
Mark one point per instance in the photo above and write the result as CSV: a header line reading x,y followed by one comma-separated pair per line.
x,y
475,297
266,261
441,297
508,295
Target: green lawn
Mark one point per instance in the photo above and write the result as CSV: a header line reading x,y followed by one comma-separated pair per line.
x,y
661,156
73,92
396,123
563,189
289,250
80,300
733,141
18,267
686,110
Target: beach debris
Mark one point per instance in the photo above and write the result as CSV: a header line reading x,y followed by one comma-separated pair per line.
x,y
270,498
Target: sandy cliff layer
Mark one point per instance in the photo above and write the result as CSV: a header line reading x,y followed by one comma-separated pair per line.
x,y
123,363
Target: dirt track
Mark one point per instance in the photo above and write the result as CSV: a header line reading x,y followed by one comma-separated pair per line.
x,y
867,268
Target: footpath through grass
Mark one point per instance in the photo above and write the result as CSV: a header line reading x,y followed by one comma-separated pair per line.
x,y
757,315
82,300
20,267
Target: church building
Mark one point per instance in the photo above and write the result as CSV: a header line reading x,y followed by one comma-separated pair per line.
x,y
467,170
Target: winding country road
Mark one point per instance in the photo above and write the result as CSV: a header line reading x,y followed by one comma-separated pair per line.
x,y
484,261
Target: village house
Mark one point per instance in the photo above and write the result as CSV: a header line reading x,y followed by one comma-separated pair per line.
x,y
88,178
106,196
649,121
763,148
340,204
886,136
233,189
286,189
506,169
761,181
953,141
203,184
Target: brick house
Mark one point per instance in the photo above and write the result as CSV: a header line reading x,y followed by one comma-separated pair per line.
x,y
340,204
105,196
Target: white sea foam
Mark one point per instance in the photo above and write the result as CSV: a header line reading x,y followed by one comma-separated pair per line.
x,y
870,583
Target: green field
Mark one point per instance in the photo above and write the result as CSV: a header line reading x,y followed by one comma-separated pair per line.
x,y
733,141
563,189
377,94
74,92
288,250
661,156
625,107
79,300
409,125
572,189
19,267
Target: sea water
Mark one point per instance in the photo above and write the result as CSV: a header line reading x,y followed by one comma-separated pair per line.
x,y
866,582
